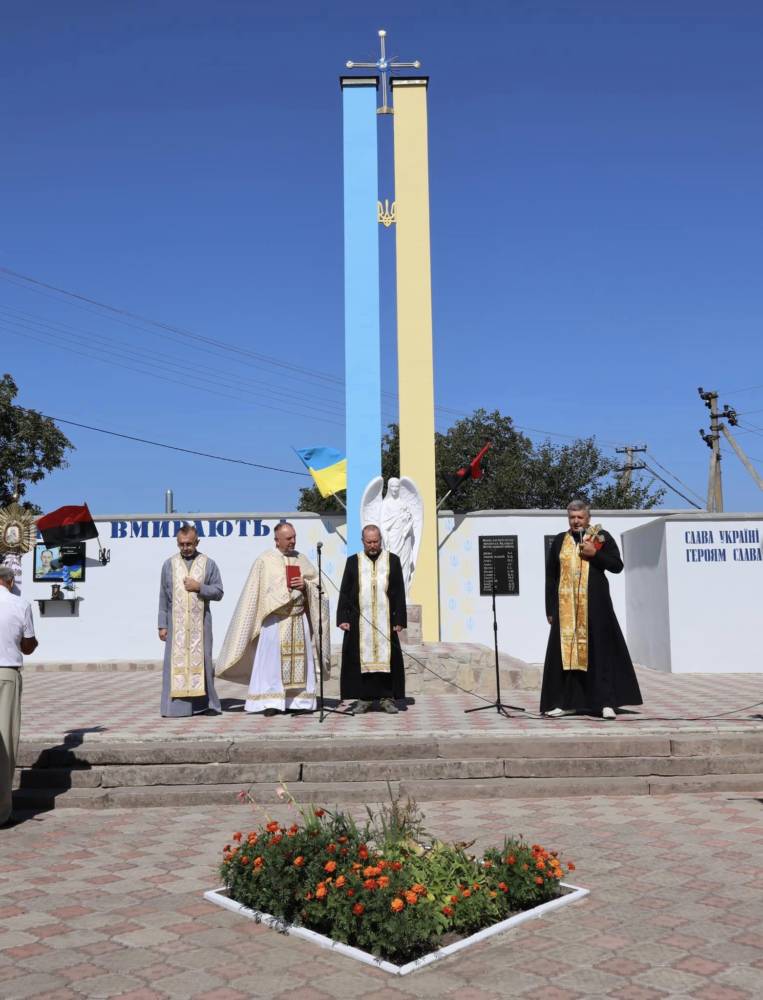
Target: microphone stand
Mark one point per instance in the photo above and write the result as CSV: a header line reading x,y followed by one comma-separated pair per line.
x,y
498,705
323,711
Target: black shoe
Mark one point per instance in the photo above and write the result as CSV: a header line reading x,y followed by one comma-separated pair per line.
x,y
270,712
360,707
389,706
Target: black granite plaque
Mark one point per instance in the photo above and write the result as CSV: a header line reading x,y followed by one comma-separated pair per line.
x,y
499,562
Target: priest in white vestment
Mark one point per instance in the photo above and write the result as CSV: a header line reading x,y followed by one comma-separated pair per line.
x,y
272,640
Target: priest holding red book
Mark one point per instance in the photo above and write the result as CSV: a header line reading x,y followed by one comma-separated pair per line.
x,y
271,644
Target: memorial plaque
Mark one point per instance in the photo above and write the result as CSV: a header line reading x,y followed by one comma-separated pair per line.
x,y
499,562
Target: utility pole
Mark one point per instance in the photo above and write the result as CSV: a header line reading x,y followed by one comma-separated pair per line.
x,y
712,439
626,471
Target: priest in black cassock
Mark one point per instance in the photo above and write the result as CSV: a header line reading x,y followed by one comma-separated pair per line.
x,y
588,668
371,611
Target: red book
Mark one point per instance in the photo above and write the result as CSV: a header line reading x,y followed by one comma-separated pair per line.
x,y
292,573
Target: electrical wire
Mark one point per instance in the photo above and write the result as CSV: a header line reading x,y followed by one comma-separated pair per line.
x,y
682,495
171,447
674,476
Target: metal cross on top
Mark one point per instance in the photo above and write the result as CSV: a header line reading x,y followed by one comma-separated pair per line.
x,y
384,66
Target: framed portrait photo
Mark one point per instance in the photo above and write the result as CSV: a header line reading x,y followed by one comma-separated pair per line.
x,y
50,562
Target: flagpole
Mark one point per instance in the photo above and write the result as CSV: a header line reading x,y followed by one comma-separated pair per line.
x,y
444,499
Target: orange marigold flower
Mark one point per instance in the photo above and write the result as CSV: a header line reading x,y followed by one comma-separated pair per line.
x,y
411,898
293,828
419,888
363,852
258,862
342,839
330,848
503,887
245,860
370,883
356,867
276,839
320,812
383,881
493,894
570,866
358,909
540,864
237,836
382,865
340,881
272,826
448,911
227,847
371,871
330,866
539,880
350,893
475,885
299,861
454,899
396,905
321,891
466,893
396,866
510,859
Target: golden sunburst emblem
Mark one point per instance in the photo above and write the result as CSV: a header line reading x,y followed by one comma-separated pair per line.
x,y
17,529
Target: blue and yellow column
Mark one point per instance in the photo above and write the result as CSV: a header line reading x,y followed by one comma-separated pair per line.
x,y
362,350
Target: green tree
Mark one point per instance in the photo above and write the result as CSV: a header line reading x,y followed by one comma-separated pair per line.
x,y
31,446
518,475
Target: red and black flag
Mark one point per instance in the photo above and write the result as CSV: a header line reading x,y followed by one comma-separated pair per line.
x,y
66,525
471,471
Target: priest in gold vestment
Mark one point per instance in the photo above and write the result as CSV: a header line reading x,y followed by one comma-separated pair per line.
x,y
190,580
588,668
272,640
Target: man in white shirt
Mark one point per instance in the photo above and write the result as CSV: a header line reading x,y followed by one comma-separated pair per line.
x,y
16,639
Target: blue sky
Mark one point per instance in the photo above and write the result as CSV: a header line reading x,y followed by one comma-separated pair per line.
x,y
596,203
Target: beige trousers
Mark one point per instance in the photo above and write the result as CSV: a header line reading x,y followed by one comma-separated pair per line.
x,y
10,727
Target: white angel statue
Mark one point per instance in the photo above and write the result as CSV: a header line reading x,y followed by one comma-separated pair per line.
x,y
400,516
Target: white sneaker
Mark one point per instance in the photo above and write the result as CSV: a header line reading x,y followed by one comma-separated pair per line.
x,y
557,713
608,713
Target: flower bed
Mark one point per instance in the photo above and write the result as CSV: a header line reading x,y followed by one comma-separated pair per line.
x,y
385,890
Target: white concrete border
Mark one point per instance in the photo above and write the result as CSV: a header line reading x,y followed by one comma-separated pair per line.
x,y
220,898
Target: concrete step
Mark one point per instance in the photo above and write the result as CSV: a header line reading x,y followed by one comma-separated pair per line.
x,y
330,794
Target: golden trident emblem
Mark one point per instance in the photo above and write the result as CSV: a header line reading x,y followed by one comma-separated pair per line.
x,y
386,213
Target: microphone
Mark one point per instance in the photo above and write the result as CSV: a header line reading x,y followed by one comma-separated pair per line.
x,y
319,546
579,536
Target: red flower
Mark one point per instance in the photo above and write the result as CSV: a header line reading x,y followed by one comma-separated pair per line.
x,y
396,866
539,880
320,812
511,860
258,862
411,898
321,891
363,852
358,909
245,860
272,827
331,848
330,866
237,836
503,887
350,893
466,893
370,883
299,861
342,840
448,911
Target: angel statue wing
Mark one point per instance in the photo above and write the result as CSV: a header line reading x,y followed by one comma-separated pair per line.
x,y
411,498
371,503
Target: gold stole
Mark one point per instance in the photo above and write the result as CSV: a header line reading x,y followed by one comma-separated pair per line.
x,y
187,655
573,606
292,638
375,645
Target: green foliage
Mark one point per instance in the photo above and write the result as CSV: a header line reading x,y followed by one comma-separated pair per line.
x,y
31,446
518,475
384,888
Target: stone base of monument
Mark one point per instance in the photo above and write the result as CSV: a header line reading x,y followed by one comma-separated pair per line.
x,y
571,894
412,634
446,667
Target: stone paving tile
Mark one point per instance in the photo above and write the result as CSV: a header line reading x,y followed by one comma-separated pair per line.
x,y
633,938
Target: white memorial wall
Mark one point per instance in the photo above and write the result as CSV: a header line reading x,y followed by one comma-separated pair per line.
x,y
657,599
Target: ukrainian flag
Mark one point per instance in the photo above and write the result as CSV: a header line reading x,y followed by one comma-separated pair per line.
x,y
327,466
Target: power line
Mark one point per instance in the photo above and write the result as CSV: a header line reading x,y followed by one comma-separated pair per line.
x,y
683,495
673,476
170,447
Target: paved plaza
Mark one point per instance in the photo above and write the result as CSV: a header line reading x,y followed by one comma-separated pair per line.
x,y
106,904
124,704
